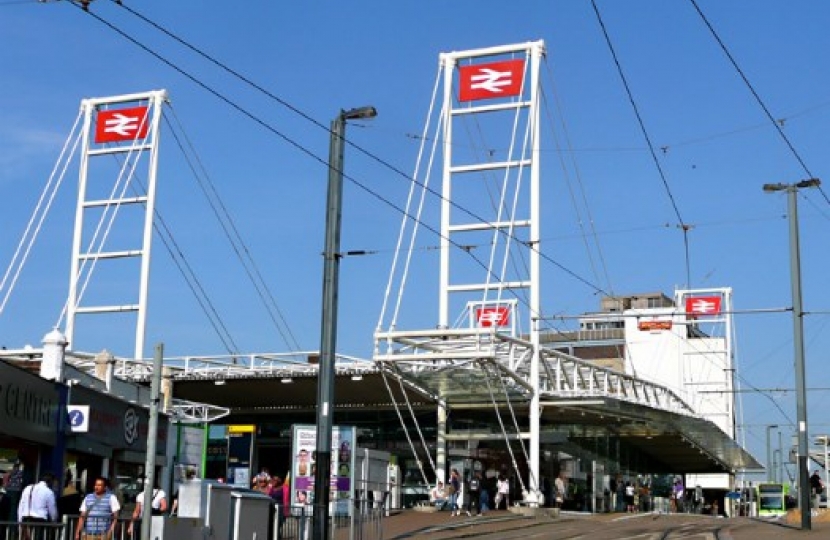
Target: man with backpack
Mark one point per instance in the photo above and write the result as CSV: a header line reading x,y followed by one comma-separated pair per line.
x,y
474,493
99,513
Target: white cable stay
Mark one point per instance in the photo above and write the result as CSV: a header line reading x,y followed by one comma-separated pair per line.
x,y
406,431
415,221
516,470
40,212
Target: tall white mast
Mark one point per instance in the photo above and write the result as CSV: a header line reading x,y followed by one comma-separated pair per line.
x,y
124,128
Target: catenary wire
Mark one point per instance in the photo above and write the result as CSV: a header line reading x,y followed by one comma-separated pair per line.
x,y
596,288
298,146
757,97
235,238
681,223
165,234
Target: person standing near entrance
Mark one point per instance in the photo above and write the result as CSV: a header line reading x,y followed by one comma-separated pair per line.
x,y
99,513
559,490
816,488
502,492
453,491
5,508
37,505
630,492
474,494
677,504
158,507
13,483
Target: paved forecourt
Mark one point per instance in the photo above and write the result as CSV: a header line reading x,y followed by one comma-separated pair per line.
x,y
503,525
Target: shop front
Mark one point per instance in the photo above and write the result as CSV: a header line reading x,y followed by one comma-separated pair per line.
x,y
29,425
112,443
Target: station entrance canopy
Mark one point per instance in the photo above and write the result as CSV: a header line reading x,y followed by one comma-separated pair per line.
x,y
481,373
483,370
476,374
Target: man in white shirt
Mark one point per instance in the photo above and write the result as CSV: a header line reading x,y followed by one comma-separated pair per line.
x,y
158,507
437,496
38,505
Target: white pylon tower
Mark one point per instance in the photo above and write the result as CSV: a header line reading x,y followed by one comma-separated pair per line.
x,y
489,268
496,82
117,174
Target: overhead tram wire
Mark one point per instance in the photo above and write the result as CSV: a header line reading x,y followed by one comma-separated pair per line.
x,y
195,286
309,153
228,225
757,97
165,234
767,395
778,390
756,311
294,143
685,227
815,207
596,288
578,176
592,233
322,126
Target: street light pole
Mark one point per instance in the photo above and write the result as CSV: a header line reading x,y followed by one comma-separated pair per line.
x,y
798,342
780,458
770,465
328,326
776,463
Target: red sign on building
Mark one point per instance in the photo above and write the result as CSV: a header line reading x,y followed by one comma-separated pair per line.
x,y
649,326
492,316
121,125
493,80
703,305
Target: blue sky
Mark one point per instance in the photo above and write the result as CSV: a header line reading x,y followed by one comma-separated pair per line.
x,y
719,150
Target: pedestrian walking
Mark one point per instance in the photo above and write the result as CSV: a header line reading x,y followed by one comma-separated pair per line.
x,y
99,513
454,490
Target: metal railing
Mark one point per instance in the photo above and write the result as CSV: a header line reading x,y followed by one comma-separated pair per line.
x,y
363,522
60,530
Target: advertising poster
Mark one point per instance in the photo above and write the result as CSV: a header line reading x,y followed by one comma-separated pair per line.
x,y
304,467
